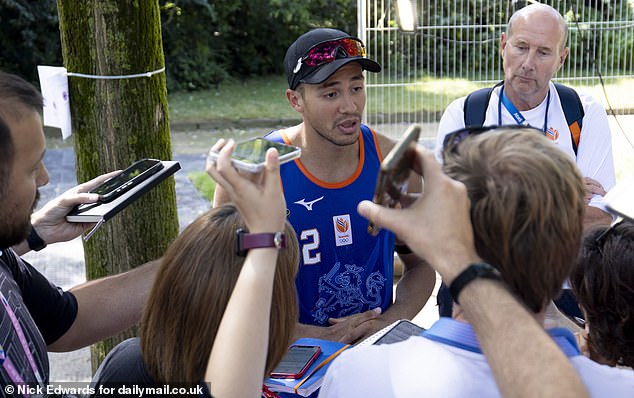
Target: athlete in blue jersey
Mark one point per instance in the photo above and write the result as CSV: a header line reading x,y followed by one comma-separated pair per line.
x,y
345,275
353,269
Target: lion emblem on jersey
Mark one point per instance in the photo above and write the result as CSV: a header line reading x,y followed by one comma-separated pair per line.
x,y
342,294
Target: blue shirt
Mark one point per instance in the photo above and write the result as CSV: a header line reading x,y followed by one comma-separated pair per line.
x,y
343,269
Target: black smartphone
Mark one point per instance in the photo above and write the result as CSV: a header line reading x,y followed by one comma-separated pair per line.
x,y
403,330
296,361
137,172
393,176
249,155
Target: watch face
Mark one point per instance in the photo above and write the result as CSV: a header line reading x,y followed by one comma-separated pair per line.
x,y
279,241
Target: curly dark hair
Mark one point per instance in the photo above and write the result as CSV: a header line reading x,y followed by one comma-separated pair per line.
x,y
603,281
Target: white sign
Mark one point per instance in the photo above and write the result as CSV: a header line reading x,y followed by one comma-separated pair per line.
x,y
54,86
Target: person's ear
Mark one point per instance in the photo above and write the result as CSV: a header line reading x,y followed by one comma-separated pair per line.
x,y
503,40
562,57
295,99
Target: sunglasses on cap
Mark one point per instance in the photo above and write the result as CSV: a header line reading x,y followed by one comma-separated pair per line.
x,y
329,51
451,141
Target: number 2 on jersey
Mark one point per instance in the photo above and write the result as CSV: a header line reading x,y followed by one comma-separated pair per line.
x,y
309,253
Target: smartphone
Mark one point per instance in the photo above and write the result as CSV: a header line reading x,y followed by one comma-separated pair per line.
x,y
403,330
137,172
296,361
249,155
394,172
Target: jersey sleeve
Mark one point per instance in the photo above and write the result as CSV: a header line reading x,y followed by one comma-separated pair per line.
x,y
52,309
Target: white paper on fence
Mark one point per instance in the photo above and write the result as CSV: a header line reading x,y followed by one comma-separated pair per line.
x,y
54,86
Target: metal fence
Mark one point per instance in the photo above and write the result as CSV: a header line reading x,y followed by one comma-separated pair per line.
x,y
455,49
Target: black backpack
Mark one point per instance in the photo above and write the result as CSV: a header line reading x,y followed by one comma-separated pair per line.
x,y
475,107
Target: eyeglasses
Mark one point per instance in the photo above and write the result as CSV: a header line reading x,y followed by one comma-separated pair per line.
x,y
451,141
600,240
328,51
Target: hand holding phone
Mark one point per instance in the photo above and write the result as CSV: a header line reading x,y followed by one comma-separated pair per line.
x,y
394,172
137,172
249,155
296,361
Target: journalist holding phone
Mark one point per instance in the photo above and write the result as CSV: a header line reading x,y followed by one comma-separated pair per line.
x,y
37,315
230,273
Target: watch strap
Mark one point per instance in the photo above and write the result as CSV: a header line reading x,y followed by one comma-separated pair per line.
x,y
246,241
34,240
472,272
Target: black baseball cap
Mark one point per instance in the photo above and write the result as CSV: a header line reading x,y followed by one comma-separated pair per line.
x,y
297,72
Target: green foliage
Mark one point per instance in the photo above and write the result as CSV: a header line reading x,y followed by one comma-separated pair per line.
x,y
208,42
29,35
203,183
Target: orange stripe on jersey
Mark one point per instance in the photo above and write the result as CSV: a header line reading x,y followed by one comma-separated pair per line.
x,y
330,185
576,132
376,144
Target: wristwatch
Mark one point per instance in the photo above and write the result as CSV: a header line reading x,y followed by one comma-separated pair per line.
x,y
472,272
34,240
246,241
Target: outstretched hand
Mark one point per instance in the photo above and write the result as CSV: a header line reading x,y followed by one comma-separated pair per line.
x,y
50,221
258,197
437,225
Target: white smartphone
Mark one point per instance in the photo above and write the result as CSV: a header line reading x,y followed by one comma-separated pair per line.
x,y
249,155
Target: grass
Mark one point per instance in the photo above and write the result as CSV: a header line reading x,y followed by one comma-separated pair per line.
x,y
205,185
264,98
261,98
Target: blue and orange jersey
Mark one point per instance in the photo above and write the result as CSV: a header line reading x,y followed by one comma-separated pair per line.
x,y
343,269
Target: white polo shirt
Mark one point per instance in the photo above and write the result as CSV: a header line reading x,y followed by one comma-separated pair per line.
x,y
594,154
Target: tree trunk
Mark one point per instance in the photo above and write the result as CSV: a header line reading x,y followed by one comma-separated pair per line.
x,y
116,122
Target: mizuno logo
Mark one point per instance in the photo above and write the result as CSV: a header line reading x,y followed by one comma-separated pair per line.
x,y
308,205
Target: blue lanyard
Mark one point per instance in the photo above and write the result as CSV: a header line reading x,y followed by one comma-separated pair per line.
x,y
517,115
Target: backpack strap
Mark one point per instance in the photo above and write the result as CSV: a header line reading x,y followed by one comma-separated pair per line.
x,y
475,106
476,103
573,110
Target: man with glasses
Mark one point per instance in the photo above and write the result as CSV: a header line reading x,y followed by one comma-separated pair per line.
x,y
526,199
345,276
533,49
